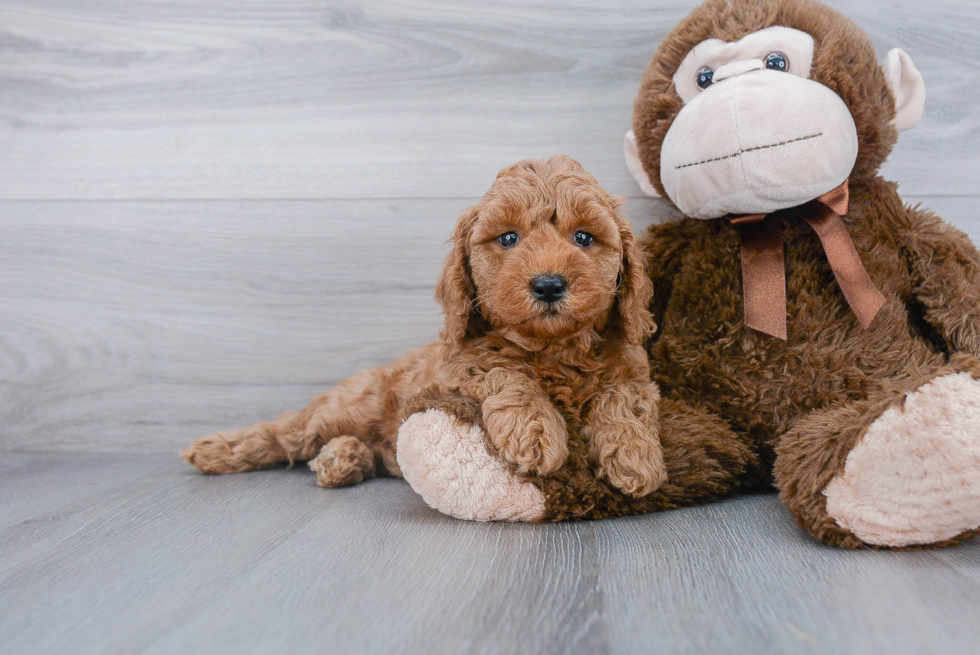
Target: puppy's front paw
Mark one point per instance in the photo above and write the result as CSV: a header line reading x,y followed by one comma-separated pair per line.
x,y
632,460
534,439
632,476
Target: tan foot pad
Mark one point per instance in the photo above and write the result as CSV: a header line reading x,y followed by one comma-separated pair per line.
x,y
447,463
914,478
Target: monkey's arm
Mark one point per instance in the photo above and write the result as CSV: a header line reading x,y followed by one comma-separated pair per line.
x,y
945,269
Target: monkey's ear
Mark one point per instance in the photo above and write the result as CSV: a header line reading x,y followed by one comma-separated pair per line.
x,y
455,290
907,86
636,167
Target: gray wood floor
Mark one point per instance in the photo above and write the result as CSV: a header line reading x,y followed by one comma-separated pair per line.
x,y
211,210
134,553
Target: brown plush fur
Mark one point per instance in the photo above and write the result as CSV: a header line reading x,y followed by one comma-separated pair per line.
x,y
535,370
751,409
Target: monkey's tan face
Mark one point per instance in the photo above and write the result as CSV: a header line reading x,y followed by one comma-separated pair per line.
x,y
756,134
547,267
766,119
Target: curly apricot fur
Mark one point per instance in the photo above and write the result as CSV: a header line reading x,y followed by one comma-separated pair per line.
x,y
533,367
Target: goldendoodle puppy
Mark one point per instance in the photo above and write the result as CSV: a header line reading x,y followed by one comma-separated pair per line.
x,y
546,314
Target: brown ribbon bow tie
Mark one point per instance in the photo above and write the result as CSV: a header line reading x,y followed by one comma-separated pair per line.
x,y
764,271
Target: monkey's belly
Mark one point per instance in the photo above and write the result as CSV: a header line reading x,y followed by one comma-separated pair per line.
x,y
761,384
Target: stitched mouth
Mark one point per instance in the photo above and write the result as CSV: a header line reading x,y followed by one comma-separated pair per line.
x,y
742,151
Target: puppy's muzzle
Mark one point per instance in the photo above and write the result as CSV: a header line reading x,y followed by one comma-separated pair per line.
x,y
549,288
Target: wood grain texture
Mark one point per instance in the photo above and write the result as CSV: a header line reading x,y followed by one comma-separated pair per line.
x,y
741,577
166,560
114,99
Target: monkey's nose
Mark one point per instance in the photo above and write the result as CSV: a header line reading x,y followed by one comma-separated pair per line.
x,y
549,288
737,68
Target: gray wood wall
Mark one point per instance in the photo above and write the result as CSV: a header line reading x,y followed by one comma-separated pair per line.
x,y
210,210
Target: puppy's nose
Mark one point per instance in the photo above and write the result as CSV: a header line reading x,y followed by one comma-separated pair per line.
x,y
549,288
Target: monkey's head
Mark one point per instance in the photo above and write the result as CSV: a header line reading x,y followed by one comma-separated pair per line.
x,y
751,106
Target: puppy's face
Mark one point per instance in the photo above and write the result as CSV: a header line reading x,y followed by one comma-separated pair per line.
x,y
545,255
545,258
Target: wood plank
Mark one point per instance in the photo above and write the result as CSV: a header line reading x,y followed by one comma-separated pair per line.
x,y
186,562
741,577
110,99
371,577
36,483
140,325
268,562
111,573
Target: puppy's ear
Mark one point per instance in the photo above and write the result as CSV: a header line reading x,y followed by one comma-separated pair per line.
x,y
635,289
455,290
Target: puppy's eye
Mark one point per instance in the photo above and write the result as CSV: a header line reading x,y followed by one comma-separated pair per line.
x,y
583,238
508,239
777,61
705,77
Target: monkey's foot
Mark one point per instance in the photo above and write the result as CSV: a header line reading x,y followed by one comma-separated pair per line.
x,y
447,463
914,478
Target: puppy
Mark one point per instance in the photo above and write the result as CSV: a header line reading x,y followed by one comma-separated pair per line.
x,y
546,302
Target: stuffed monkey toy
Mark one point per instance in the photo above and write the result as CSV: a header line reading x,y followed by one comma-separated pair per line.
x,y
815,333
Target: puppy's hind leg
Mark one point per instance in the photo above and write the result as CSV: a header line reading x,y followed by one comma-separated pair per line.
x,y
255,447
350,408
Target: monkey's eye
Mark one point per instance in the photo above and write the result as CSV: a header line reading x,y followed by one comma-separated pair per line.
x,y
508,239
583,239
705,76
777,61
